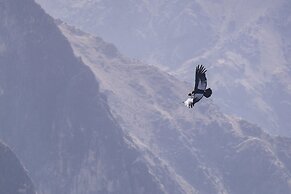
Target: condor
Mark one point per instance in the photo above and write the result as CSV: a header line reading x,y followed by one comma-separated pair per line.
x,y
199,88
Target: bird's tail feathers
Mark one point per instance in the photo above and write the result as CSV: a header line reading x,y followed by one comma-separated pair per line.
x,y
207,93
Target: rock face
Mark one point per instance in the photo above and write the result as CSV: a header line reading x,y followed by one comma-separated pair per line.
x,y
204,150
54,116
13,177
244,44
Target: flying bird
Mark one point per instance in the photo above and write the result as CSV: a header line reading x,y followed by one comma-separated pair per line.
x,y
199,88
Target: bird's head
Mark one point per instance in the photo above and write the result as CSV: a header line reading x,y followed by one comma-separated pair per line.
x,y
189,102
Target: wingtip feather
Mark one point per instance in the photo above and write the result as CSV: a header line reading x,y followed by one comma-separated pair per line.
x,y
200,69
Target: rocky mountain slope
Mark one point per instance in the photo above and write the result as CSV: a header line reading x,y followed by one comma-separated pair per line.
x,y
117,125
205,150
14,178
245,44
55,118
251,61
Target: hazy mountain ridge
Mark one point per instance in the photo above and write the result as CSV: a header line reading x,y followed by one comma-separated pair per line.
x,y
251,65
209,151
157,31
14,178
245,44
54,116
63,120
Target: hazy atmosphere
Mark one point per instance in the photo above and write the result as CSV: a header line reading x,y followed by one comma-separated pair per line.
x,y
91,96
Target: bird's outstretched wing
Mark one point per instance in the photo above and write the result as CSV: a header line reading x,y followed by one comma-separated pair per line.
x,y
200,83
200,79
199,87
